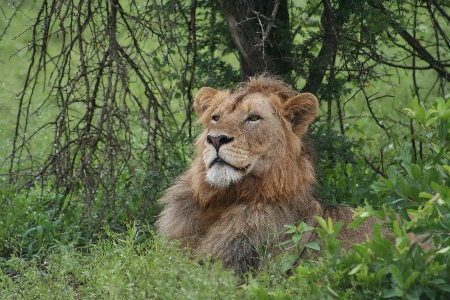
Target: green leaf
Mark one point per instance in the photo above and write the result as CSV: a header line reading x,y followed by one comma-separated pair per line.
x,y
389,183
363,277
419,110
396,228
443,250
447,169
321,222
425,195
389,293
363,251
398,277
404,186
411,278
297,237
381,273
356,223
437,281
380,186
446,115
355,270
377,231
441,107
313,245
330,224
337,226
430,121
332,292
421,114
287,261
416,172
436,187
364,190
444,287
392,173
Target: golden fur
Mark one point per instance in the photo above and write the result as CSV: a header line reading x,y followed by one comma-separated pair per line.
x,y
252,175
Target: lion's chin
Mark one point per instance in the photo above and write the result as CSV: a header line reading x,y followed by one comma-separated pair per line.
x,y
222,176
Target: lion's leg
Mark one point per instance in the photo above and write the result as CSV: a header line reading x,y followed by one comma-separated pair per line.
x,y
180,216
242,230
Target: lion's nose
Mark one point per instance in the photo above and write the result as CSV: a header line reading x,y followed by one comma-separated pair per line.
x,y
218,141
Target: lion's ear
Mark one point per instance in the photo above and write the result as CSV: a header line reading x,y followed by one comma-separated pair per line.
x,y
301,110
203,100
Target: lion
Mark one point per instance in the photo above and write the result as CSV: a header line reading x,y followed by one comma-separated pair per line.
x,y
252,175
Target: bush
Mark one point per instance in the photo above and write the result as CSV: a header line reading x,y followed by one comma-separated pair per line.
x,y
376,269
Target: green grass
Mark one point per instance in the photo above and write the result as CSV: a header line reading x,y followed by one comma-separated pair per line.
x,y
127,266
14,63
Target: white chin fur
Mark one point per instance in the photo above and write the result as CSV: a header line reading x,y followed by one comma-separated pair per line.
x,y
222,176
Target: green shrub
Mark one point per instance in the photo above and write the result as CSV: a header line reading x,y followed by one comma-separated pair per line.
x,y
419,189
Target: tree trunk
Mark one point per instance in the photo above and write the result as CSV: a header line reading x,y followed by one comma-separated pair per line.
x,y
260,30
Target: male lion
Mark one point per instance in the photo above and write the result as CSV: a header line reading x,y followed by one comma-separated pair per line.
x,y
252,175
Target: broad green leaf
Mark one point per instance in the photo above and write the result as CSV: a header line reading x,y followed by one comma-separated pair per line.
x,y
363,251
443,250
421,114
377,231
437,281
418,112
430,121
356,223
321,222
337,226
425,195
363,277
330,224
397,274
297,237
436,187
355,270
380,186
444,287
332,292
389,293
381,273
442,130
403,186
287,261
361,191
313,245
447,169
411,278
416,172
389,183
441,107
396,228
446,115
392,173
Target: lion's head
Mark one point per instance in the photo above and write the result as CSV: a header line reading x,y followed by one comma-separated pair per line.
x,y
253,142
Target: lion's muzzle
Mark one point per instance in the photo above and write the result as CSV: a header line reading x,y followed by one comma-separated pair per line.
x,y
218,141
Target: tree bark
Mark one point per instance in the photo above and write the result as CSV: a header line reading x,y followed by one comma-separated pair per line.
x,y
260,30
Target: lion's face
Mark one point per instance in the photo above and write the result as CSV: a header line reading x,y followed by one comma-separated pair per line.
x,y
246,132
242,137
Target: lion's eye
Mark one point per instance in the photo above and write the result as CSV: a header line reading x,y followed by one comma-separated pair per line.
x,y
254,118
215,118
